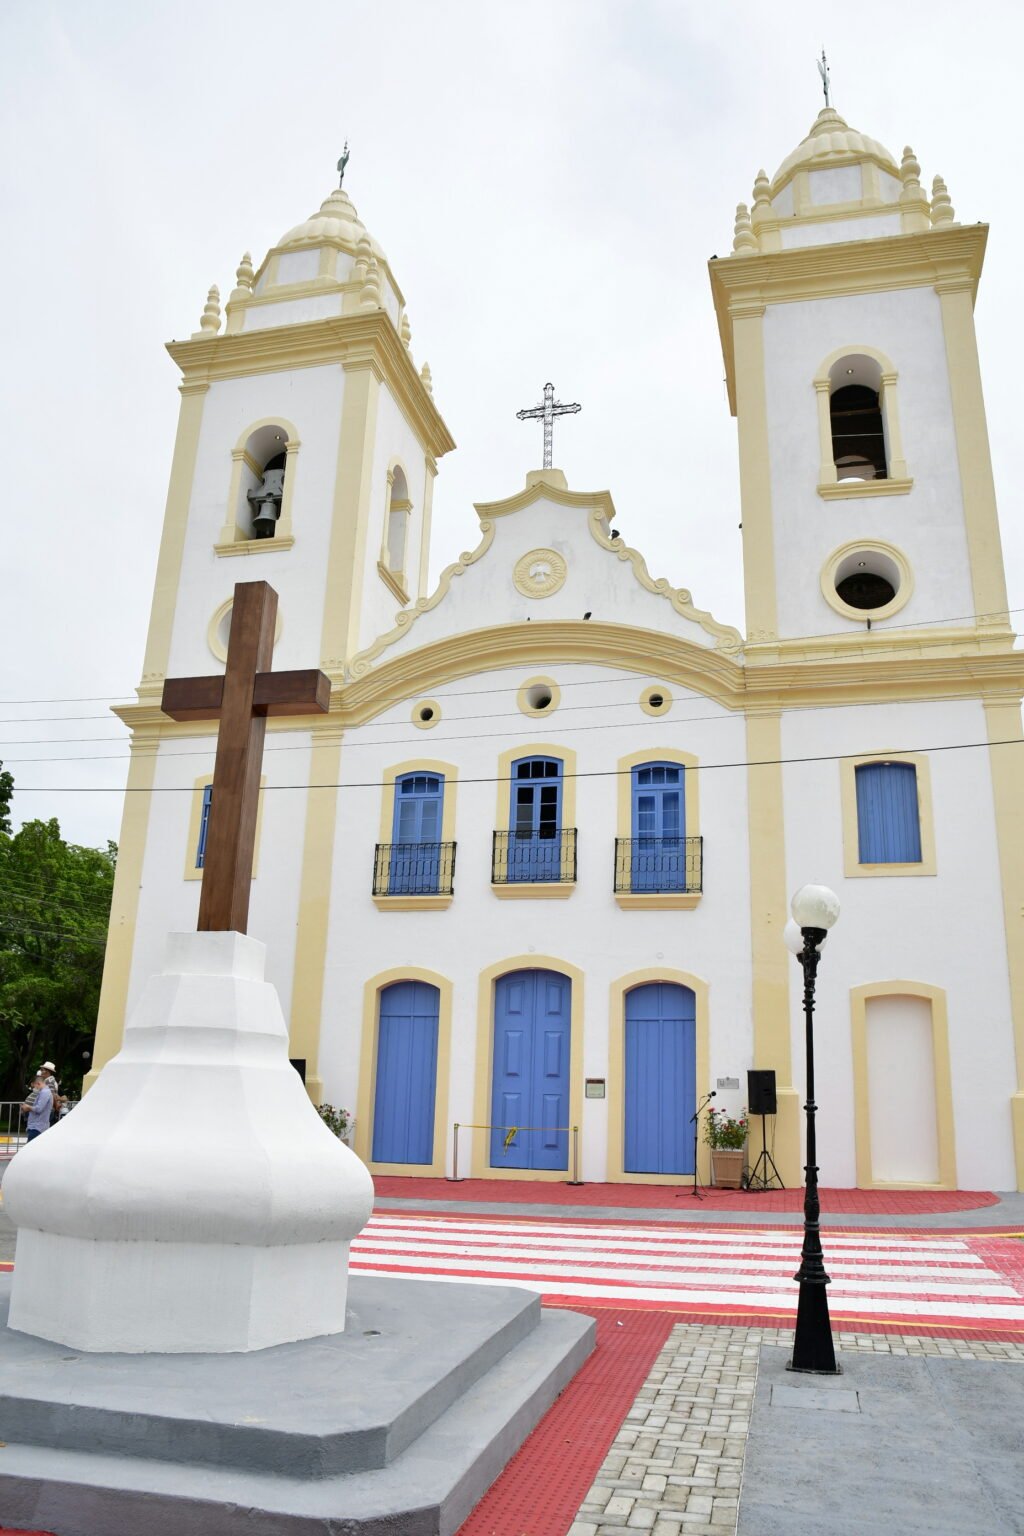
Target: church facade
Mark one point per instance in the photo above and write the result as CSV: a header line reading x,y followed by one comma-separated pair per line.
x,y
523,887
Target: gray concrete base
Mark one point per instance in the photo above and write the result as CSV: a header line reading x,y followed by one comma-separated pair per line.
x,y
397,1426
921,1445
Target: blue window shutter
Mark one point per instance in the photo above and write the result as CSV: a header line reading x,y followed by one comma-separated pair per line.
x,y
659,823
888,820
204,822
416,834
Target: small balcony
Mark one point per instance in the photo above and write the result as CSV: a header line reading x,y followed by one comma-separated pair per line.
x,y
535,862
411,874
659,871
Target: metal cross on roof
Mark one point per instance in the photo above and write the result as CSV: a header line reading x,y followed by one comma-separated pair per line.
x,y
547,412
826,78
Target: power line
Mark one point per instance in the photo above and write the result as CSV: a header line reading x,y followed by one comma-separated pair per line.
x,y
595,773
752,712
824,635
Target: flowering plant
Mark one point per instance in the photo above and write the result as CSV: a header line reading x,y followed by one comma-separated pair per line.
x,y
721,1131
336,1120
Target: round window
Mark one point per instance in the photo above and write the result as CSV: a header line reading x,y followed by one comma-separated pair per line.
x,y
866,580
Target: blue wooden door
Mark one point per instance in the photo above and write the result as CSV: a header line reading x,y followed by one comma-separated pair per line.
x,y
661,1078
659,825
403,1104
532,1036
416,834
535,846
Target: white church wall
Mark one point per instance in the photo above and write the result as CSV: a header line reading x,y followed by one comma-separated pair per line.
x,y
587,930
945,930
927,523
597,581
837,184
317,306
836,231
311,399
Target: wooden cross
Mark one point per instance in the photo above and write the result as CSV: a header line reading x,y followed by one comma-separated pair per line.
x,y
241,700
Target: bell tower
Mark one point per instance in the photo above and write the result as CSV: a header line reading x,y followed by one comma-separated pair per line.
x,y
846,317
307,438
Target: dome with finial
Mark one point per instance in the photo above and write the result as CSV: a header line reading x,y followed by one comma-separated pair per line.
x,y
336,222
831,141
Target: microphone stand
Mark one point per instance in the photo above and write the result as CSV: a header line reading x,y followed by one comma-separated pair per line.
x,y
695,1121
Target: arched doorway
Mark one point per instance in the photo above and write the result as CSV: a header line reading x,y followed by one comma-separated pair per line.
x,y
406,1076
660,1078
530,1079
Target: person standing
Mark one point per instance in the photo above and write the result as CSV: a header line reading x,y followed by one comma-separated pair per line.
x,y
39,1111
48,1071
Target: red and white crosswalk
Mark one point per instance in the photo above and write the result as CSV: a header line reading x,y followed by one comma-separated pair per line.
x,y
876,1276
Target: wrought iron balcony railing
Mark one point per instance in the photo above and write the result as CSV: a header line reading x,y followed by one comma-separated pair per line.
x,y
547,856
414,869
656,865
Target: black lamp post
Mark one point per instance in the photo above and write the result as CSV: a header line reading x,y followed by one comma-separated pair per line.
x,y
815,909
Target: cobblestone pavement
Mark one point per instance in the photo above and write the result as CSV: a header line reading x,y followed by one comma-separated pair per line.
x,y
676,1466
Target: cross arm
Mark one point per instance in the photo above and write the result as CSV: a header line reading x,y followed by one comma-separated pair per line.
x,y
305,692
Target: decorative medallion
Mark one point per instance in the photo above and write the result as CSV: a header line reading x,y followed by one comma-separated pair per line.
x,y
540,573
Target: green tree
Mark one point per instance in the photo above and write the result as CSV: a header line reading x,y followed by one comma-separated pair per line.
x,y
54,909
6,792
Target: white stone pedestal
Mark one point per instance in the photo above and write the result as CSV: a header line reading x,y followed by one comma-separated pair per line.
x,y
194,1201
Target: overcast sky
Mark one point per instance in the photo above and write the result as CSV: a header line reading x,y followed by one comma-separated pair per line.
x,y
548,180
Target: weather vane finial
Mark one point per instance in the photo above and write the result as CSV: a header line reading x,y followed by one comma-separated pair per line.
x,y
826,78
342,164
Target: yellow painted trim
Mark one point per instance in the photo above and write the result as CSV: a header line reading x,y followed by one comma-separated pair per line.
x,y
725,637
350,517
553,890
479,1164
658,900
852,866
853,490
412,903
421,704
391,506
770,959
124,908
314,903
538,682
256,546
232,532
448,771
217,646
904,591
539,890
1003,723
367,338
755,479
368,1070
879,265
393,583
981,520
195,817
936,996
653,691
172,538
429,476
614,1172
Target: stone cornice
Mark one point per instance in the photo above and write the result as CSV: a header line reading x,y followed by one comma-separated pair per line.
x,y
367,339
927,259
710,673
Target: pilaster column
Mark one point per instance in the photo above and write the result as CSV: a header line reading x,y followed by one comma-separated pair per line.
x,y
172,539
771,960
346,558
1003,722
977,486
124,907
827,474
890,403
755,472
314,904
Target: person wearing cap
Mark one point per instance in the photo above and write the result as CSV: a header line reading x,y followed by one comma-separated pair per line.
x,y
39,1109
48,1071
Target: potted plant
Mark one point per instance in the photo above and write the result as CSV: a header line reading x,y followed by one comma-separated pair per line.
x,y
338,1121
727,1139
